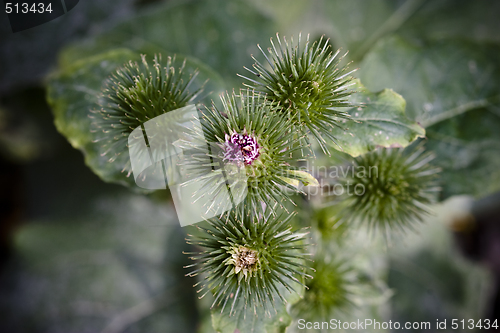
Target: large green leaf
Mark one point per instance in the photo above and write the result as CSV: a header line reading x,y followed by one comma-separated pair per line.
x,y
380,122
73,91
117,267
453,89
349,24
438,79
356,25
223,34
467,148
459,19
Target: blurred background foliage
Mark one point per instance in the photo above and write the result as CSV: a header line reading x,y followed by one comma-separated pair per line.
x,y
81,255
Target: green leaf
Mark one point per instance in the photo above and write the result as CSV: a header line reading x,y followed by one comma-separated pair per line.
x,y
439,80
293,182
223,34
467,149
381,122
305,177
357,25
452,88
457,19
347,23
114,268
73,90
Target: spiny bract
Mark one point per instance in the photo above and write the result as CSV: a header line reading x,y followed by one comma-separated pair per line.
x,y
308,85
136,93
251,154
391,188
248,258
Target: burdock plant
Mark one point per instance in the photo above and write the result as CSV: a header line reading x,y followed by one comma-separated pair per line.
x,y
249,258
249,145
136,93
307,83
252,146
332,291
392,188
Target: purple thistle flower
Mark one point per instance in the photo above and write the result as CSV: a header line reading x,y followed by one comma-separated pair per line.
x,y
240,148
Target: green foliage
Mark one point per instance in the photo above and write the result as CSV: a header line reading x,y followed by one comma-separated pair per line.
x,y
380,122
439,79
246,258
451,88
89,272
73,90
221,34
467,149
